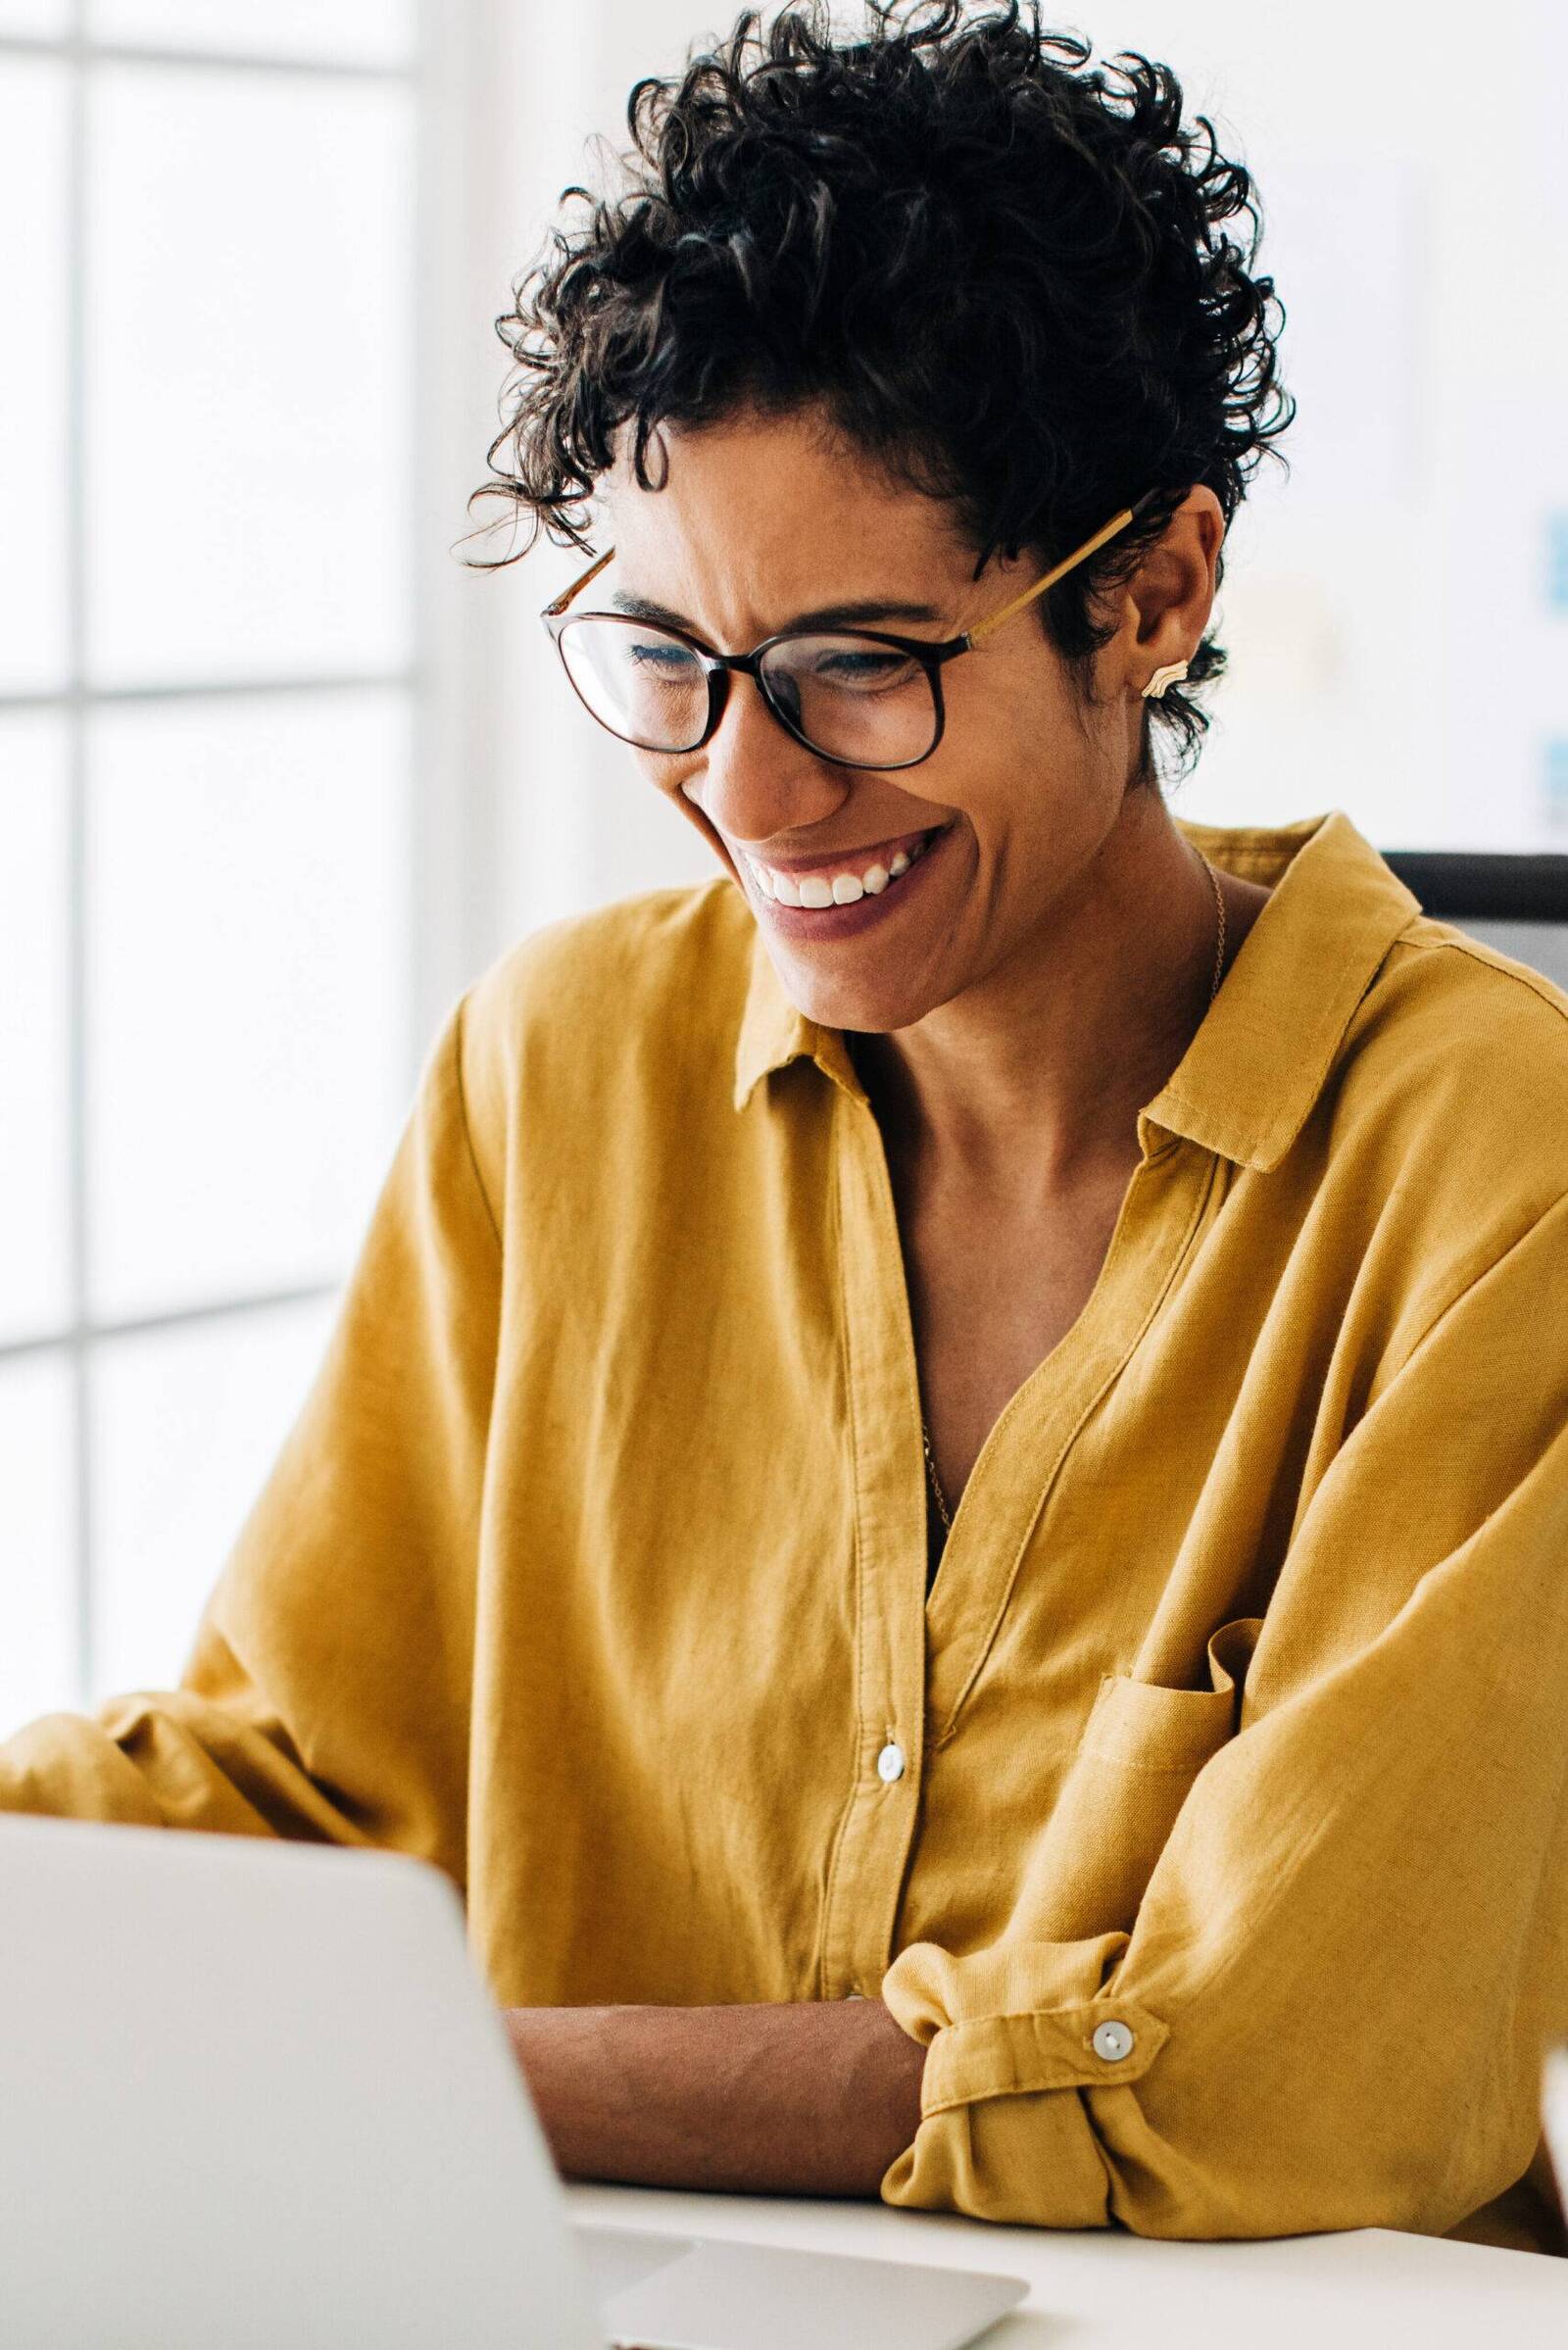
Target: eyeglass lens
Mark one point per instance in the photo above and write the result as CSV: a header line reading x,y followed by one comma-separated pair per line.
x,y
849,697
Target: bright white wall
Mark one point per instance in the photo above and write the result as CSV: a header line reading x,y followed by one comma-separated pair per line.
x,y
1396,633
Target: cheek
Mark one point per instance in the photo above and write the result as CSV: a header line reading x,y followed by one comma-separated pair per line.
x,y
1016,670
1009,734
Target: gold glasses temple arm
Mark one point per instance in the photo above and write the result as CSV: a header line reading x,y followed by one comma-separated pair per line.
x,y
1068,562
554,611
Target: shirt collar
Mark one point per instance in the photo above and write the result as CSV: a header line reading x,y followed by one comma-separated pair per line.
x,y
1248,1081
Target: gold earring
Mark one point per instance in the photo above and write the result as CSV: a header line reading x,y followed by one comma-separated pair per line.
x,y
1171,674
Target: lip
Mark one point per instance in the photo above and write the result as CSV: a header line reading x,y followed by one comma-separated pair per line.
x,y
827,922
850,860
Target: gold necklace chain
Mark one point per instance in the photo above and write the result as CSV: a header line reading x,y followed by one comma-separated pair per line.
x,y
937,1494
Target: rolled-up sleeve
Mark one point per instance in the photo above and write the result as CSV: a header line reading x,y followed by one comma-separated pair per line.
x,y
1330,2009
328,1692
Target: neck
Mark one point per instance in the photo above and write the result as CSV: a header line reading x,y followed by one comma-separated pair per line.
x,y
1031,1081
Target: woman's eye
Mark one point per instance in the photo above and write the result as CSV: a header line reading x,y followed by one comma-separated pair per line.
x,y
861,668
666,657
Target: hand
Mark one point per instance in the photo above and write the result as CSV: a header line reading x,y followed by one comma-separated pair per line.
x,y
809,2098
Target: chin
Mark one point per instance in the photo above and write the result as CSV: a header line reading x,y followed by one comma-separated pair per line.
x,y
871,1008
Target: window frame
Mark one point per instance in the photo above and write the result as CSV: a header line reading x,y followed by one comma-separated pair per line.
x,y
444,834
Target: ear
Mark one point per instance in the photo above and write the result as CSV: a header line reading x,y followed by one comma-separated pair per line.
x,y
1165,605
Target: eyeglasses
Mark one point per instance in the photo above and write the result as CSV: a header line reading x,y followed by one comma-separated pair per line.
x,y
856,696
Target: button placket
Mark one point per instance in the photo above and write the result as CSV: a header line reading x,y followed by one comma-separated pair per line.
x,y
876,1828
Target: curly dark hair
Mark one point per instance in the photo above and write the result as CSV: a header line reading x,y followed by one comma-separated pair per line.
x,y
997,267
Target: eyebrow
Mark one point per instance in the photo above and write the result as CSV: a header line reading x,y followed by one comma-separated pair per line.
x,y
824,615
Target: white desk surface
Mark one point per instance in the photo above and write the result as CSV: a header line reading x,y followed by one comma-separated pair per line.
x,y
1320,2292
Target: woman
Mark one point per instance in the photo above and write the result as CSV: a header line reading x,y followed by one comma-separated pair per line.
x,y
943,1481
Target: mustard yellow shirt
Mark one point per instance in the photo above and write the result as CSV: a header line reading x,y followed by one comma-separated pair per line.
x,y
593,1570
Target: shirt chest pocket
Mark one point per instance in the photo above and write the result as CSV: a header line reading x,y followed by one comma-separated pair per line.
x,y
1142,1748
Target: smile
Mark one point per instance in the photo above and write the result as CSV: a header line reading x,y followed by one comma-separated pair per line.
x,y
822,899
824,889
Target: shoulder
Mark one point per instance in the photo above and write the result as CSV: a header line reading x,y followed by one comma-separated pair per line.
x,y
1440,956
584,1011
1448,1103
654,937
1452,1026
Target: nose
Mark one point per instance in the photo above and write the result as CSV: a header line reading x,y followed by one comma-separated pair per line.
x,y
753,781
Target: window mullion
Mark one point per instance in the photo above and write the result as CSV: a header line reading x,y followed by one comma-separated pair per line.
x,y
77,1144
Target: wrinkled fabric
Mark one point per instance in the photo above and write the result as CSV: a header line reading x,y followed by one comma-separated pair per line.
x,y
593,1571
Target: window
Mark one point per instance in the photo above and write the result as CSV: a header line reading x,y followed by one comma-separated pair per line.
x,y
208,699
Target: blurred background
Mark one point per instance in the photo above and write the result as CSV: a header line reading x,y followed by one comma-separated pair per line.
x,y
279,777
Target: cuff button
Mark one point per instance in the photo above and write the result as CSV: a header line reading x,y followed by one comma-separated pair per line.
x,y
1112,2041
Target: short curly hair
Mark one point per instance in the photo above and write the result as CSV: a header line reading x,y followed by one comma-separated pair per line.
x,y
997,267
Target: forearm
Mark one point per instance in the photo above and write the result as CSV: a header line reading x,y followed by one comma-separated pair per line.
x,y
816,2098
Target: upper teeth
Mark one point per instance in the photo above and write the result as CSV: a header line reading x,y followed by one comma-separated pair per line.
x,y
832,889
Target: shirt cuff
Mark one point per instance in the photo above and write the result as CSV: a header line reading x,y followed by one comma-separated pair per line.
x,y
1014,2035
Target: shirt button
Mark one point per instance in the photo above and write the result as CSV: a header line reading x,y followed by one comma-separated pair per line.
x,y
1112,2041
890,1763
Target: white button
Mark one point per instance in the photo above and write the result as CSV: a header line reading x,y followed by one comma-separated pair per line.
x,y
1112,2041
889,1764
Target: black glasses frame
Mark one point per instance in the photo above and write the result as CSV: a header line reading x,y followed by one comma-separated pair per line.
x,y
719,667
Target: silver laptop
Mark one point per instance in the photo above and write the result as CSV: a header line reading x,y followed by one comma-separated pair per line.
x,y
254,2093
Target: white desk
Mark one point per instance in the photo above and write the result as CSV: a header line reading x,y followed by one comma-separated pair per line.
x,y
1322,2292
